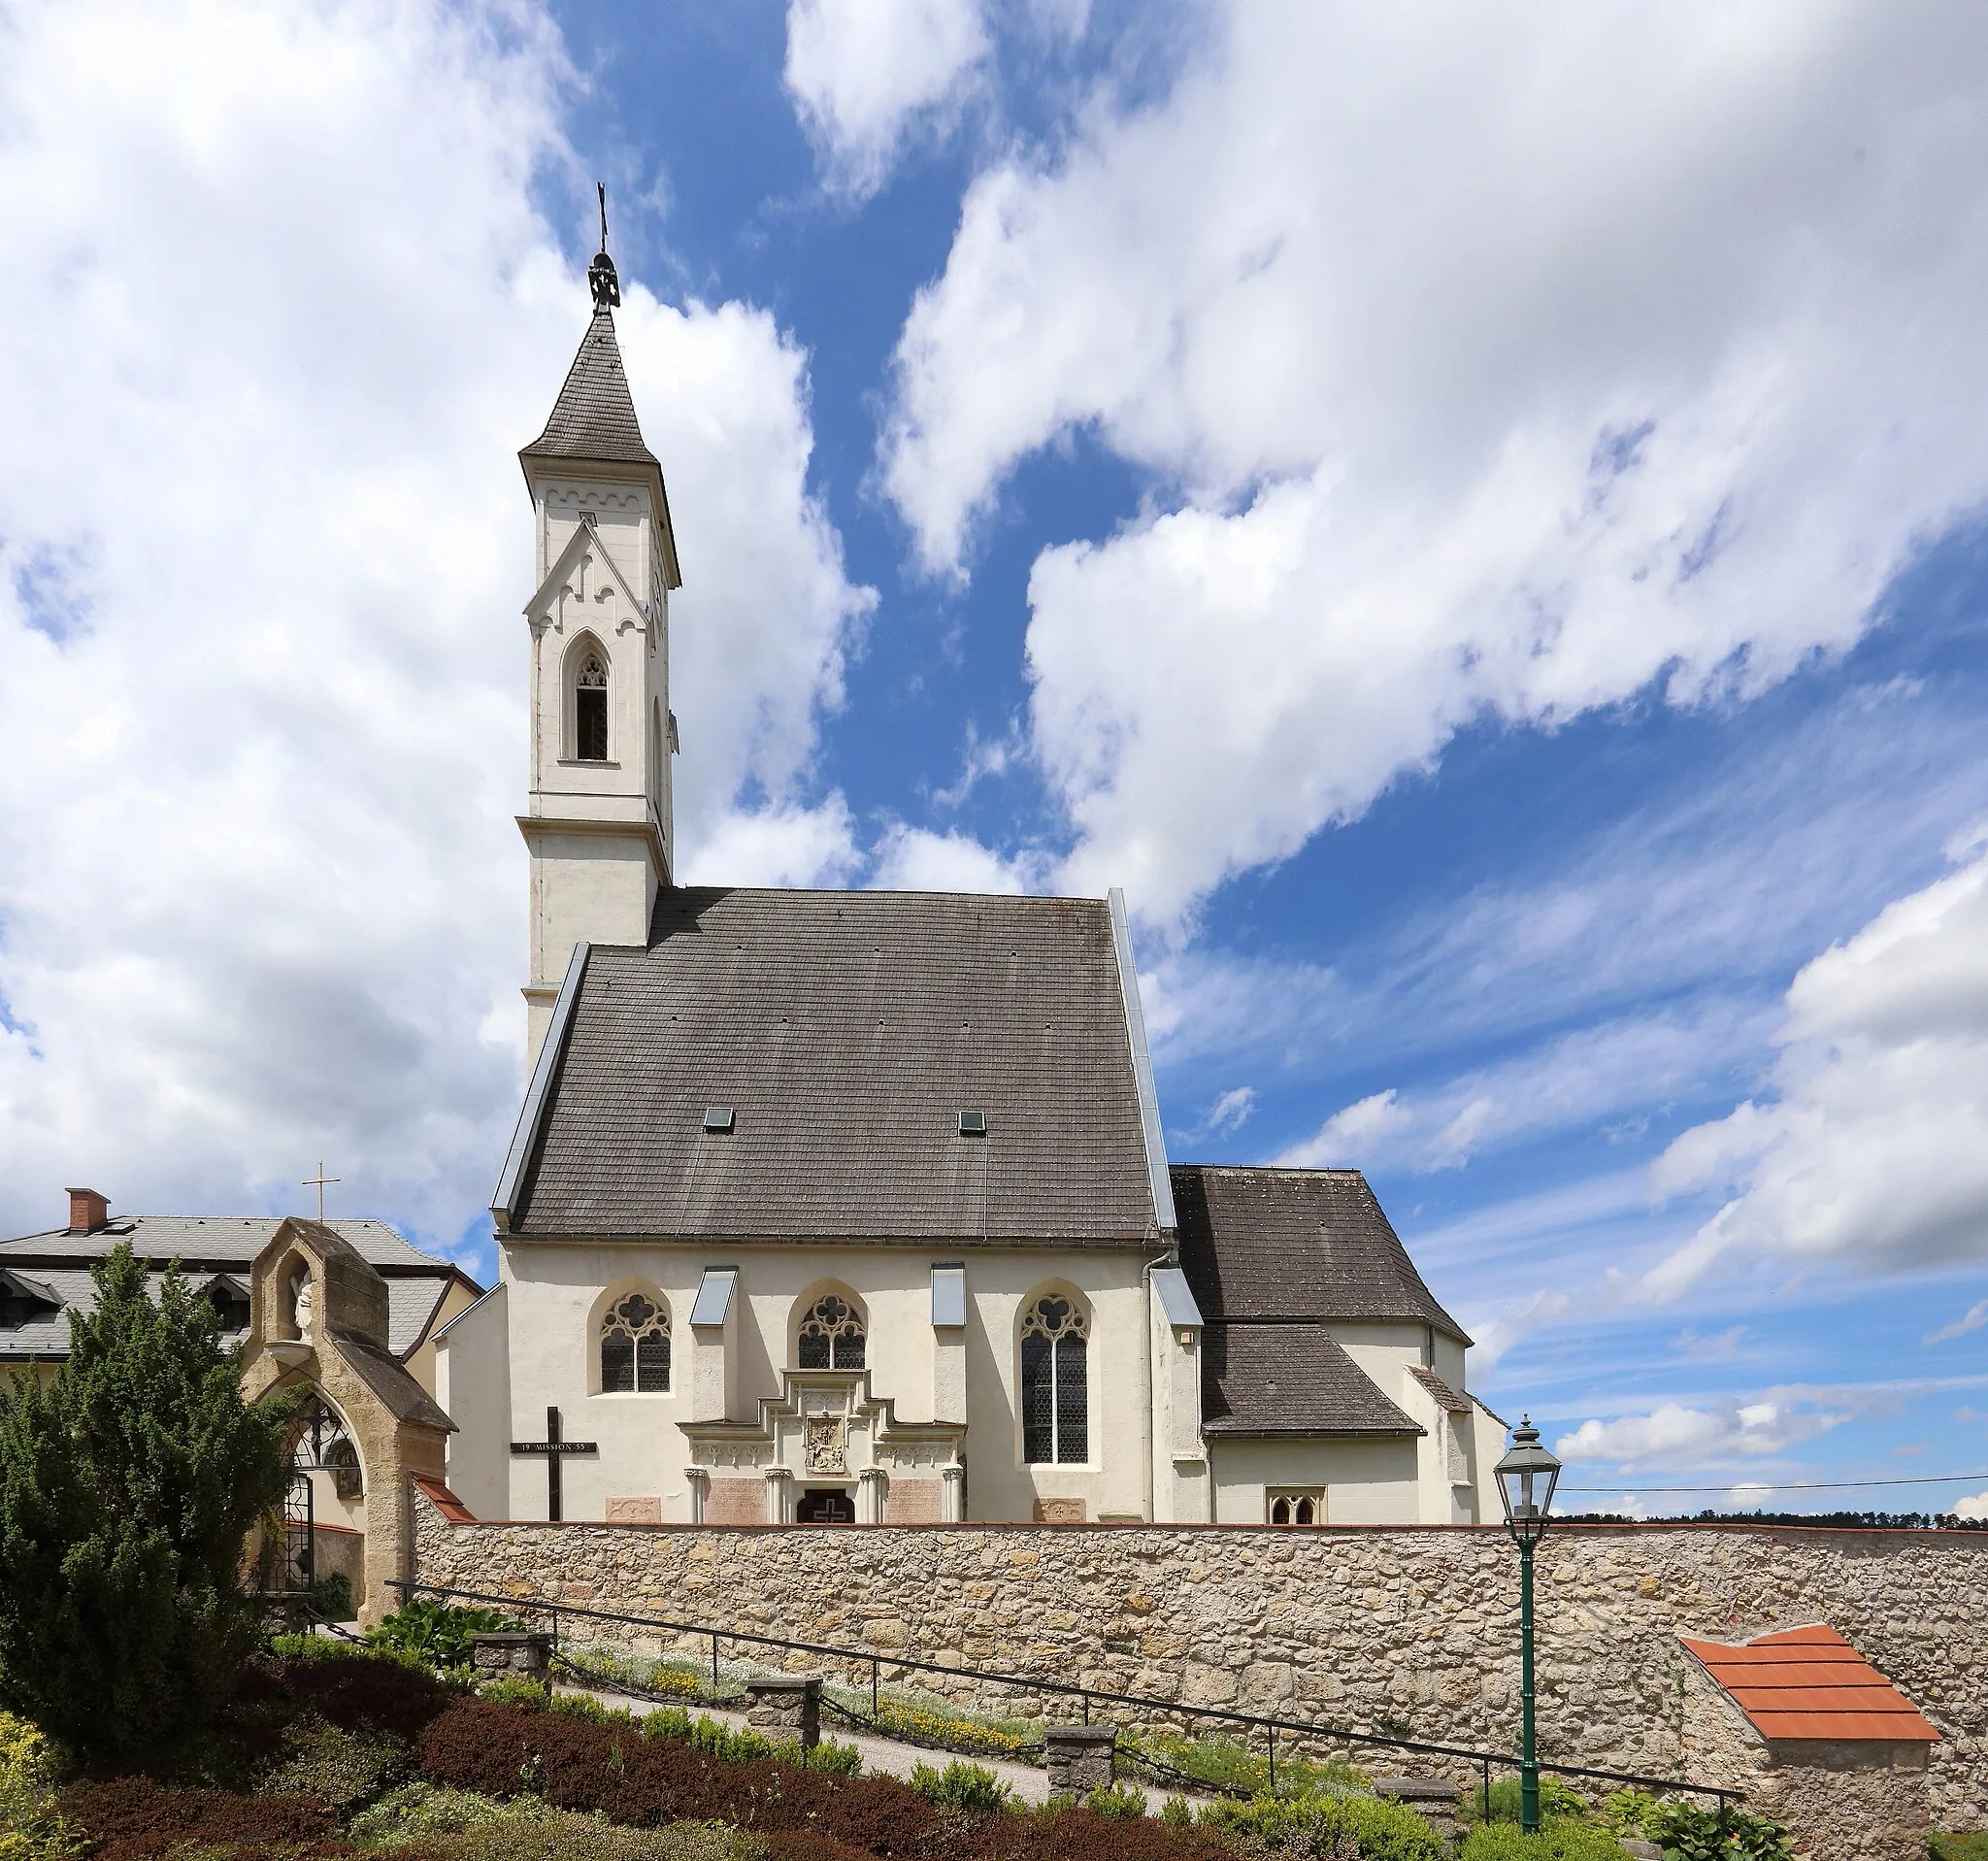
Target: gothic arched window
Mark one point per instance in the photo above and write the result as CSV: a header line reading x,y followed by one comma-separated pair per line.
x,y
590,709
832,1336
635,1347
1297,1508
1055,1382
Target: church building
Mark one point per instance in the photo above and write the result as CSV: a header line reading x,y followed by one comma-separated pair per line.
x,y
855,1206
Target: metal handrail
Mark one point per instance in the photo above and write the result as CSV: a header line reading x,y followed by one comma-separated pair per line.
x,y
1024,1683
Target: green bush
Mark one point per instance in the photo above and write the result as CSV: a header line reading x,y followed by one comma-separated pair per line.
x,y
838,1760
344,1769
128,1483
1227,1764
1958,1848
1557,1798
1325,1825
1562,1840
960,1787
438,1633
461,1826
30,1830
533,1695
1117,1802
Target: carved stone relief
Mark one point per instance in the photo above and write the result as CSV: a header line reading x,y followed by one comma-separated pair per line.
x,y
827,1444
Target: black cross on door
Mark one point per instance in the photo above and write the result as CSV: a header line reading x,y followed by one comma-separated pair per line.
x,y
555,1450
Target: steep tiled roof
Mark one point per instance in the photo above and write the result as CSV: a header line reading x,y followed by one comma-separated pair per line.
x,y
1444,1396
594,415
1289,1379
1267,1244
1811,1683
847,1031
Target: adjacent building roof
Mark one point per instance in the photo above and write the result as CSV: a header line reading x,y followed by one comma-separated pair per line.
x,y
208,1246
1271,1244
1289,1379
594,415
845,1031
1811,1683
1445,1397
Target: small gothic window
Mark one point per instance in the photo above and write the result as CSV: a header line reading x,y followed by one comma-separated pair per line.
x,y
635,1349
832,1336
590,710
1055,1384
1296,1508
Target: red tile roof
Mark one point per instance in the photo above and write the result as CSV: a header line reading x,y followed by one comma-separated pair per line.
x,y
444,1501
1811,1683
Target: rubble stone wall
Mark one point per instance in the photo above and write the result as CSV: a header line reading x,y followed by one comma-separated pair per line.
x,y
1408,1630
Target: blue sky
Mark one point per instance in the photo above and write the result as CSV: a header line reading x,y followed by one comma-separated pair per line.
x,y
1475,524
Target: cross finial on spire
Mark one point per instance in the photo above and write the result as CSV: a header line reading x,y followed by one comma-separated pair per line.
x,y
318,1181
600,275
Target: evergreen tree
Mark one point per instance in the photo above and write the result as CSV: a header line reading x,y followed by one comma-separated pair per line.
x,y
128,1483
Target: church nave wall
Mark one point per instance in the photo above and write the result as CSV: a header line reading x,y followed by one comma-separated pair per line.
x,y
559,1295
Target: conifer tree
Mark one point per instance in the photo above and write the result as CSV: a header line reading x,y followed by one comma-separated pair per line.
x,y
129,1480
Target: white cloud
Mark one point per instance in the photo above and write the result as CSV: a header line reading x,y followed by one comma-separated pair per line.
x,y
1972,1319
1973,1506
914,859
778,846
864,74
1504,368
1720,1347
1675,1434
1498,1333
262,550
1875,1149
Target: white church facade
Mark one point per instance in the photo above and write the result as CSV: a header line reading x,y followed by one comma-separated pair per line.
x,y
855,1207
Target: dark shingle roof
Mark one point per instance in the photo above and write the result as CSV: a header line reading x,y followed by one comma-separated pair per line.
x,y
847,1030
1289,1379
1267,1244
206,1244
594,415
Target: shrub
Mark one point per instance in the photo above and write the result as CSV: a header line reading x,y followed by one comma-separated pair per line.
x,y
30,1829
1115,1802
960,1787
439,1633
132,1818
356,1694
836,1761
128,1484
1324,1825
1564,1840
1958,1848
1694,1833
533,1695
1227,1764
1557,1798
344,1769
447,1824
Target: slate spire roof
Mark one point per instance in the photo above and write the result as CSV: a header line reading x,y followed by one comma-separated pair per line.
x,y
594,415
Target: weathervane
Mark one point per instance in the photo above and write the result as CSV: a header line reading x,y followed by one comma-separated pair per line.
x,y
600,275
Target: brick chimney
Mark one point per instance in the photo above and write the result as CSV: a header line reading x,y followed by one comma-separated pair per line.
x,y
87,1211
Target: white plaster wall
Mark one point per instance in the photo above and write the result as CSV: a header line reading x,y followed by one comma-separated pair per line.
x,y
420,1362
1367,1483
472,1383
558,1289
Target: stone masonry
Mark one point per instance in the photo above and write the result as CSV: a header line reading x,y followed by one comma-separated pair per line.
x,y
1410,1630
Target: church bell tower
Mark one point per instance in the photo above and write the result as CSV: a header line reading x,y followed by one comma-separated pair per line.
x,y
598,825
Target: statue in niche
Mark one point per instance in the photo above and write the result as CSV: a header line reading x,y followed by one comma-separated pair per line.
x,y
303,1302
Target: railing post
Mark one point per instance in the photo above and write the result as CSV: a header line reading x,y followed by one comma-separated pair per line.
x,y
873,1689
713,1666
1273,1760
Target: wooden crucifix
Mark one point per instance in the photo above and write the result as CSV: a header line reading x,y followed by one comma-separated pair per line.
x,y
555,1450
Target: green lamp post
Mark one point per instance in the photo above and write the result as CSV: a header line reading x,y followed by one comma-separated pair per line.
x,y
1526,1478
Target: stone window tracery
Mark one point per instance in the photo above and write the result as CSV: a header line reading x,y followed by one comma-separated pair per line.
x,y
635,1347
590,709
832,1336
1055,1382
1295,1506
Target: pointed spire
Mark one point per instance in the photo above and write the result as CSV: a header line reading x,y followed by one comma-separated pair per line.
x,y
594,415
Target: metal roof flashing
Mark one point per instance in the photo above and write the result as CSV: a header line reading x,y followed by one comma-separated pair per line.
x,y
1141,1064
532,1112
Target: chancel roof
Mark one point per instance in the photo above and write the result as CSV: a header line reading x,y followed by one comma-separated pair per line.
x,y
847,1032
1289,1379
594,415
1266,1244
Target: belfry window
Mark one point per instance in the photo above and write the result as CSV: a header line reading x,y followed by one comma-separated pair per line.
x,y
590,709
635,1349
832,1336
1055,1384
